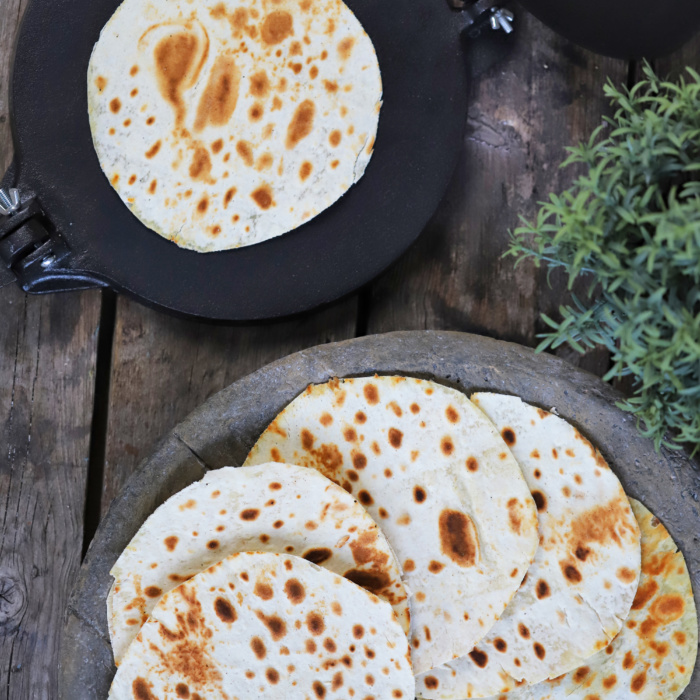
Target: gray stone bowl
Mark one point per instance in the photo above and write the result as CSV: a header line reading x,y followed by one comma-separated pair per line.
x,y
222,431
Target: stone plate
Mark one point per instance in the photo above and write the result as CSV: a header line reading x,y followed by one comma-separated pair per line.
x,y
222,431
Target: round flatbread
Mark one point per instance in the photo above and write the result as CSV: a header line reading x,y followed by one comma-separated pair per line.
x,y
270,507
654,655
440,481
224,123
267,625
584,577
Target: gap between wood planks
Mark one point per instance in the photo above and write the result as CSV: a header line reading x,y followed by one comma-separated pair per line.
x,y
98,434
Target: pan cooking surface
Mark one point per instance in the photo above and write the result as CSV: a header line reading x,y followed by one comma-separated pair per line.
x,y
421,122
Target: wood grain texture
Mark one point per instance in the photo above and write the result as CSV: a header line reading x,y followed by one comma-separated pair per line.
x,y
47,358
524,110
164,367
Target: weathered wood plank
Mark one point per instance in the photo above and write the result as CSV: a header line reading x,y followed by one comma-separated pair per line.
x,y
164,367
47,360
545,95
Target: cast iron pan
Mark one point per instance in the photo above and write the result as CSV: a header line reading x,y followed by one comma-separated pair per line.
x,y
421,123
222,431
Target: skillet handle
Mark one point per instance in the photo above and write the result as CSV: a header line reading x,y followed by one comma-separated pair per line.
x,y
483,47
32,252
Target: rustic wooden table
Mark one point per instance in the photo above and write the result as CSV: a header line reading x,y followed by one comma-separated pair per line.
x,y
90,381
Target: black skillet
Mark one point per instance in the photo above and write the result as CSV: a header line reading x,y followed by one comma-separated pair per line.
x,y
72,230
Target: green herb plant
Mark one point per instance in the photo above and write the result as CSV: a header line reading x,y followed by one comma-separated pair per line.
x,y
629,228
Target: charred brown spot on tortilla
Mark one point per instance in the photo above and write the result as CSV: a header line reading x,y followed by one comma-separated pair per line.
x,y
508,435
255,113
175,57
435,567
315,623
275,625
373,581
310,646
515,519
365,498
263,590
349,434
419,494
264,162
277,27
523,631
580,674
318,555
153,591
307,439
151,121
458,538
359,461
500,645
262,196
447,446
480,658
352,475
182,690
171,542
571,573
542,589
555,454
245,151
395,438
200,167
115,179
329,645
539,650
229,196
101,83
220,96
431,682
582,553
127,122
334,138
360,417
250,514
358,631
667,608
142,689
371,394
319,689
224,610
132,179
259,84
115,105
295,591
153,150
679,638
540,500
217,145
605,524
301,124
609,682
638,682
625,575
345,48
331,86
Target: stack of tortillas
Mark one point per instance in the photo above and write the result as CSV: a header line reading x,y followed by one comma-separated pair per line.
x,y
389,537
224,123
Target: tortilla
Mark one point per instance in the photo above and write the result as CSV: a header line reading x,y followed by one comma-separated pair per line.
x,y
267,625
222,123
654,655
272,508
441,483
584,577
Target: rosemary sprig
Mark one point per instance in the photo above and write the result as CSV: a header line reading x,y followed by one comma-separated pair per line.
x,y
630,227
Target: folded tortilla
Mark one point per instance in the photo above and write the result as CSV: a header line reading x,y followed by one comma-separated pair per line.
x,y
438,478
267,625
270,507
584,577
653,656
